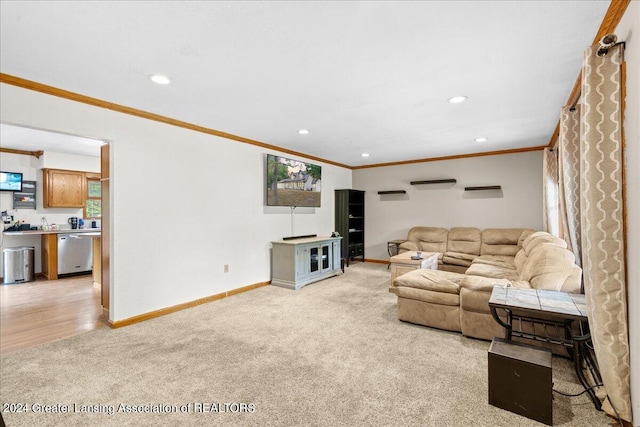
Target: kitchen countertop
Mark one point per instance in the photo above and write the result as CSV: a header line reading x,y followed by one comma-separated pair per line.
x,y
38,232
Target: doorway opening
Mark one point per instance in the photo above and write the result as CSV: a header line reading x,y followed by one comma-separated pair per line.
x,y
43,310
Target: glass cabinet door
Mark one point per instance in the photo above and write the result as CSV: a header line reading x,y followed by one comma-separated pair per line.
x,y
314,259
325,257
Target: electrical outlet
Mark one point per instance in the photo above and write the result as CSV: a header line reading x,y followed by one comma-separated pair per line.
x,y
226,268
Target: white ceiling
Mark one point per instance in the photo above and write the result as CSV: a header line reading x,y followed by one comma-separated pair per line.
x,y
362,76
28,139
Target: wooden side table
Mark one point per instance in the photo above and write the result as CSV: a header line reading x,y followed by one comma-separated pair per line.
x,y
403,263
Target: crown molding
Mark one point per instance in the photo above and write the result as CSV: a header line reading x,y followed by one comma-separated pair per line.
x,y
35,154
458,156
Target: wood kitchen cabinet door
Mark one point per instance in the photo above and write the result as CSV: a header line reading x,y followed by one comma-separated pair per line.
x,y
63,188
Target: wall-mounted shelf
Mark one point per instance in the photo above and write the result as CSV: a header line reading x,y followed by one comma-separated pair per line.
x,y
485,187
26,199
434,181
392,192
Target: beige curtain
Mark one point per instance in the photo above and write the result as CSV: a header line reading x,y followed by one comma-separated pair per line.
x,y
550,219
569,179
601,219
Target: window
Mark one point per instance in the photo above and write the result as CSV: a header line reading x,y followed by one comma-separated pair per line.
x,y
93,203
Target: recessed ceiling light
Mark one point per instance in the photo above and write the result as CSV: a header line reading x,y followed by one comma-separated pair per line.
x,y
457,99
303,131
481,139
365,154
160,79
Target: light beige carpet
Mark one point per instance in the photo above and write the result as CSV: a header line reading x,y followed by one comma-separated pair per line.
x,y
331,354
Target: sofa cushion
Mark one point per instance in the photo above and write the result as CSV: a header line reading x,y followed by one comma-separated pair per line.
x,y
432,246
434,297
474,301
503,261
464,240
427,239
532,241
568,280
431,280
475,292
526,233
458,258
500,241
552,267
486,284
540,237
493,271
453,268
520,259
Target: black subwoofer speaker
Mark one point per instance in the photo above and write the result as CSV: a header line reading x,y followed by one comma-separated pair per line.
x,y
520,379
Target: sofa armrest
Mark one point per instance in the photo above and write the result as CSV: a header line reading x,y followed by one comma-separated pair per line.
x,y
407,246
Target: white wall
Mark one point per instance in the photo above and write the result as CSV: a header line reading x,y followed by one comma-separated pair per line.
x,y
519,204
30,167
54,160
183,203
628,30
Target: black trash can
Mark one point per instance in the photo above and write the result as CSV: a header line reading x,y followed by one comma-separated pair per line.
x,y
17,265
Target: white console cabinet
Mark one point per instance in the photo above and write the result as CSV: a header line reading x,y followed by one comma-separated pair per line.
x,y
298,262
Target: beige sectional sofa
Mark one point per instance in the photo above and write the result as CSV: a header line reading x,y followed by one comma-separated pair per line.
x,y
473,261
460,246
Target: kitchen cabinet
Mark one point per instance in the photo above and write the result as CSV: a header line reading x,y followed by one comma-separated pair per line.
x,y
104,264
298,262
63,188
97,260
49,245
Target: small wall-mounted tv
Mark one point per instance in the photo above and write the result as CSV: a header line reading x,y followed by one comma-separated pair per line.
x,y
292,182
10,181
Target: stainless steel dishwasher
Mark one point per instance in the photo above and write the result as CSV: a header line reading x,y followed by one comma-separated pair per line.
x,y
74,253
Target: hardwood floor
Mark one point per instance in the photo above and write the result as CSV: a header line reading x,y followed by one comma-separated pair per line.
x,y
47,310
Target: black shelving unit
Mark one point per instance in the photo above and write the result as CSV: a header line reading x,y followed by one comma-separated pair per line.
x,y
350,222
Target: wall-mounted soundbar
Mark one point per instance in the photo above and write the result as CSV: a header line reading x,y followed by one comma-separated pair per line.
x,y
299,237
